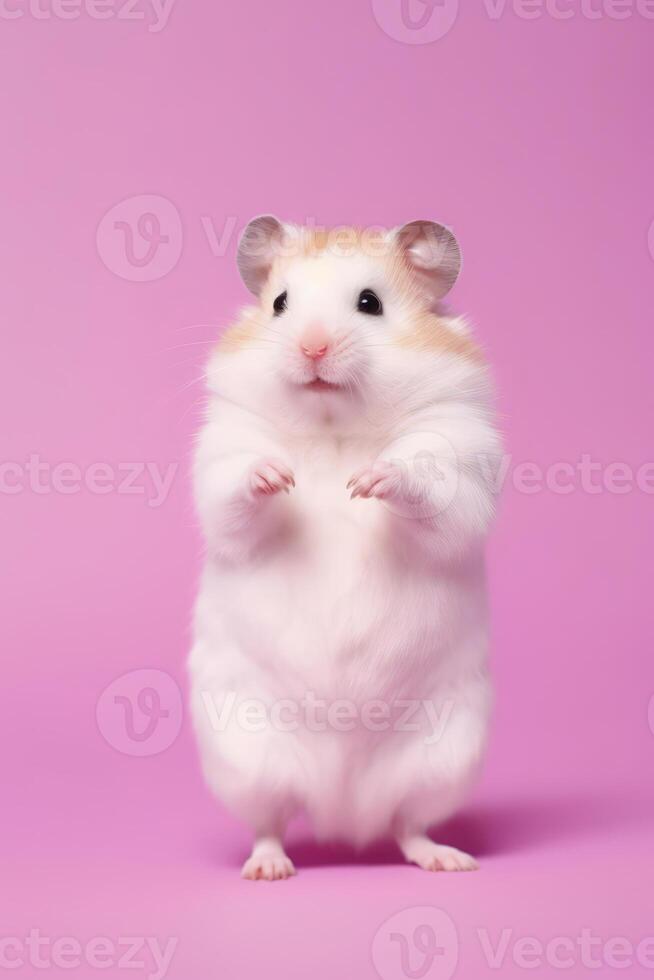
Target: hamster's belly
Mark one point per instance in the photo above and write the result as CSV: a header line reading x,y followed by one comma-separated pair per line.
x,y
335,604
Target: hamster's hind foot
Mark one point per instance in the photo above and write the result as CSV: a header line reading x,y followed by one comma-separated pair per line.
x,y
268,861
421,850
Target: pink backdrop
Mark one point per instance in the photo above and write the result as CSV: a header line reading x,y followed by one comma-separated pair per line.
x,y
526,128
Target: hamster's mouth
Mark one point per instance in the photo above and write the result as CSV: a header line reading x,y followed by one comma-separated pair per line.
x,y
319,384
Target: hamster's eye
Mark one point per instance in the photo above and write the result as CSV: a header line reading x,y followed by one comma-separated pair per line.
x,y
370,303
279,304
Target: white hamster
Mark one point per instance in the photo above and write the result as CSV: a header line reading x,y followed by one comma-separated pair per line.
x,y
342,480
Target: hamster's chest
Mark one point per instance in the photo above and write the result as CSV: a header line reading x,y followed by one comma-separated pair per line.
x,y
331,546
332,532
336,570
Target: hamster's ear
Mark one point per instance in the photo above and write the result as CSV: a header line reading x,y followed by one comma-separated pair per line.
x,y
262,240
433,254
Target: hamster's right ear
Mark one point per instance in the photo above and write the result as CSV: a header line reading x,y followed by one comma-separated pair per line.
x,y
262,241
433,255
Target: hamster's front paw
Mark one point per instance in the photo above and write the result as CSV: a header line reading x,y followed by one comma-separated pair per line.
x,y
382,479
270,475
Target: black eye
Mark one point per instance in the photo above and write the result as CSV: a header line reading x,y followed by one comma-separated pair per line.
x,y
370,303
279,304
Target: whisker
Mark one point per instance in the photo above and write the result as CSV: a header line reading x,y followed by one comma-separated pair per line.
x,y
163,403
196,326
192,343
189,384
185,363
189,408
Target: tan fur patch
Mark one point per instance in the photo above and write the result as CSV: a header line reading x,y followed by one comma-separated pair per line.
x,y
239,335
430,333
342,240
314,240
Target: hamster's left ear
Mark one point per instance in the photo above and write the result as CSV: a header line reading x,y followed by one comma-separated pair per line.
x,y
263,239
433,254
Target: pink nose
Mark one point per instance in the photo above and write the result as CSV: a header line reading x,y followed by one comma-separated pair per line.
x,y
314,342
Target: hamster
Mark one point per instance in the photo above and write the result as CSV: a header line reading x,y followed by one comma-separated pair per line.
x,y
339,659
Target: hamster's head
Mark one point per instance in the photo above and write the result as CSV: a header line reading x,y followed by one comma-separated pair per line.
x,y
344,313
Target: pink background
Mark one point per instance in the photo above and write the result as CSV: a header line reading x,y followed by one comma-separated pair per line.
x,y
532,138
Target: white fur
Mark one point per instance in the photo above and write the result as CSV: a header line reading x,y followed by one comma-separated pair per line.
x,y
311,593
